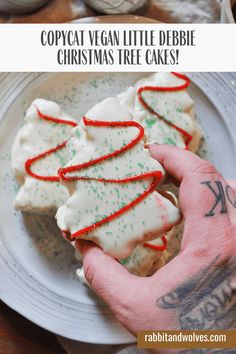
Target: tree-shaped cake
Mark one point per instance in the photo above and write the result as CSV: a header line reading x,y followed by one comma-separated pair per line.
x,y
37,154
112,181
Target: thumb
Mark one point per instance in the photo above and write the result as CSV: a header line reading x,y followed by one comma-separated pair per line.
x,y
107,276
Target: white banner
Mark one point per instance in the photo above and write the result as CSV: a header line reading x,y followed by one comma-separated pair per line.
x,y
117,47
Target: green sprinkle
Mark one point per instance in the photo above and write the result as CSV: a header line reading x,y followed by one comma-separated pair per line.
x,y
77,133
170,141
124,261
150,122
141,165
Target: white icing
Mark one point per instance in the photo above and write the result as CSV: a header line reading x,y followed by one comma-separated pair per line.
x,y
91,201
35,137
145,261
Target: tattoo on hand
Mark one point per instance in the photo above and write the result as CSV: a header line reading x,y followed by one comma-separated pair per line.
x,y
221,195
207,300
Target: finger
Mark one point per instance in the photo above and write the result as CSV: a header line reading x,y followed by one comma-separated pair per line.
x,y
107,276
232,183
189,169
204,198
180,163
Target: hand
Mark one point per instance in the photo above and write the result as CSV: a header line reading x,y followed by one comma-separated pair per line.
x,y
196,290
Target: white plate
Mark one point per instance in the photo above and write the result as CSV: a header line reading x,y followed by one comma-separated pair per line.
x,y
37,267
